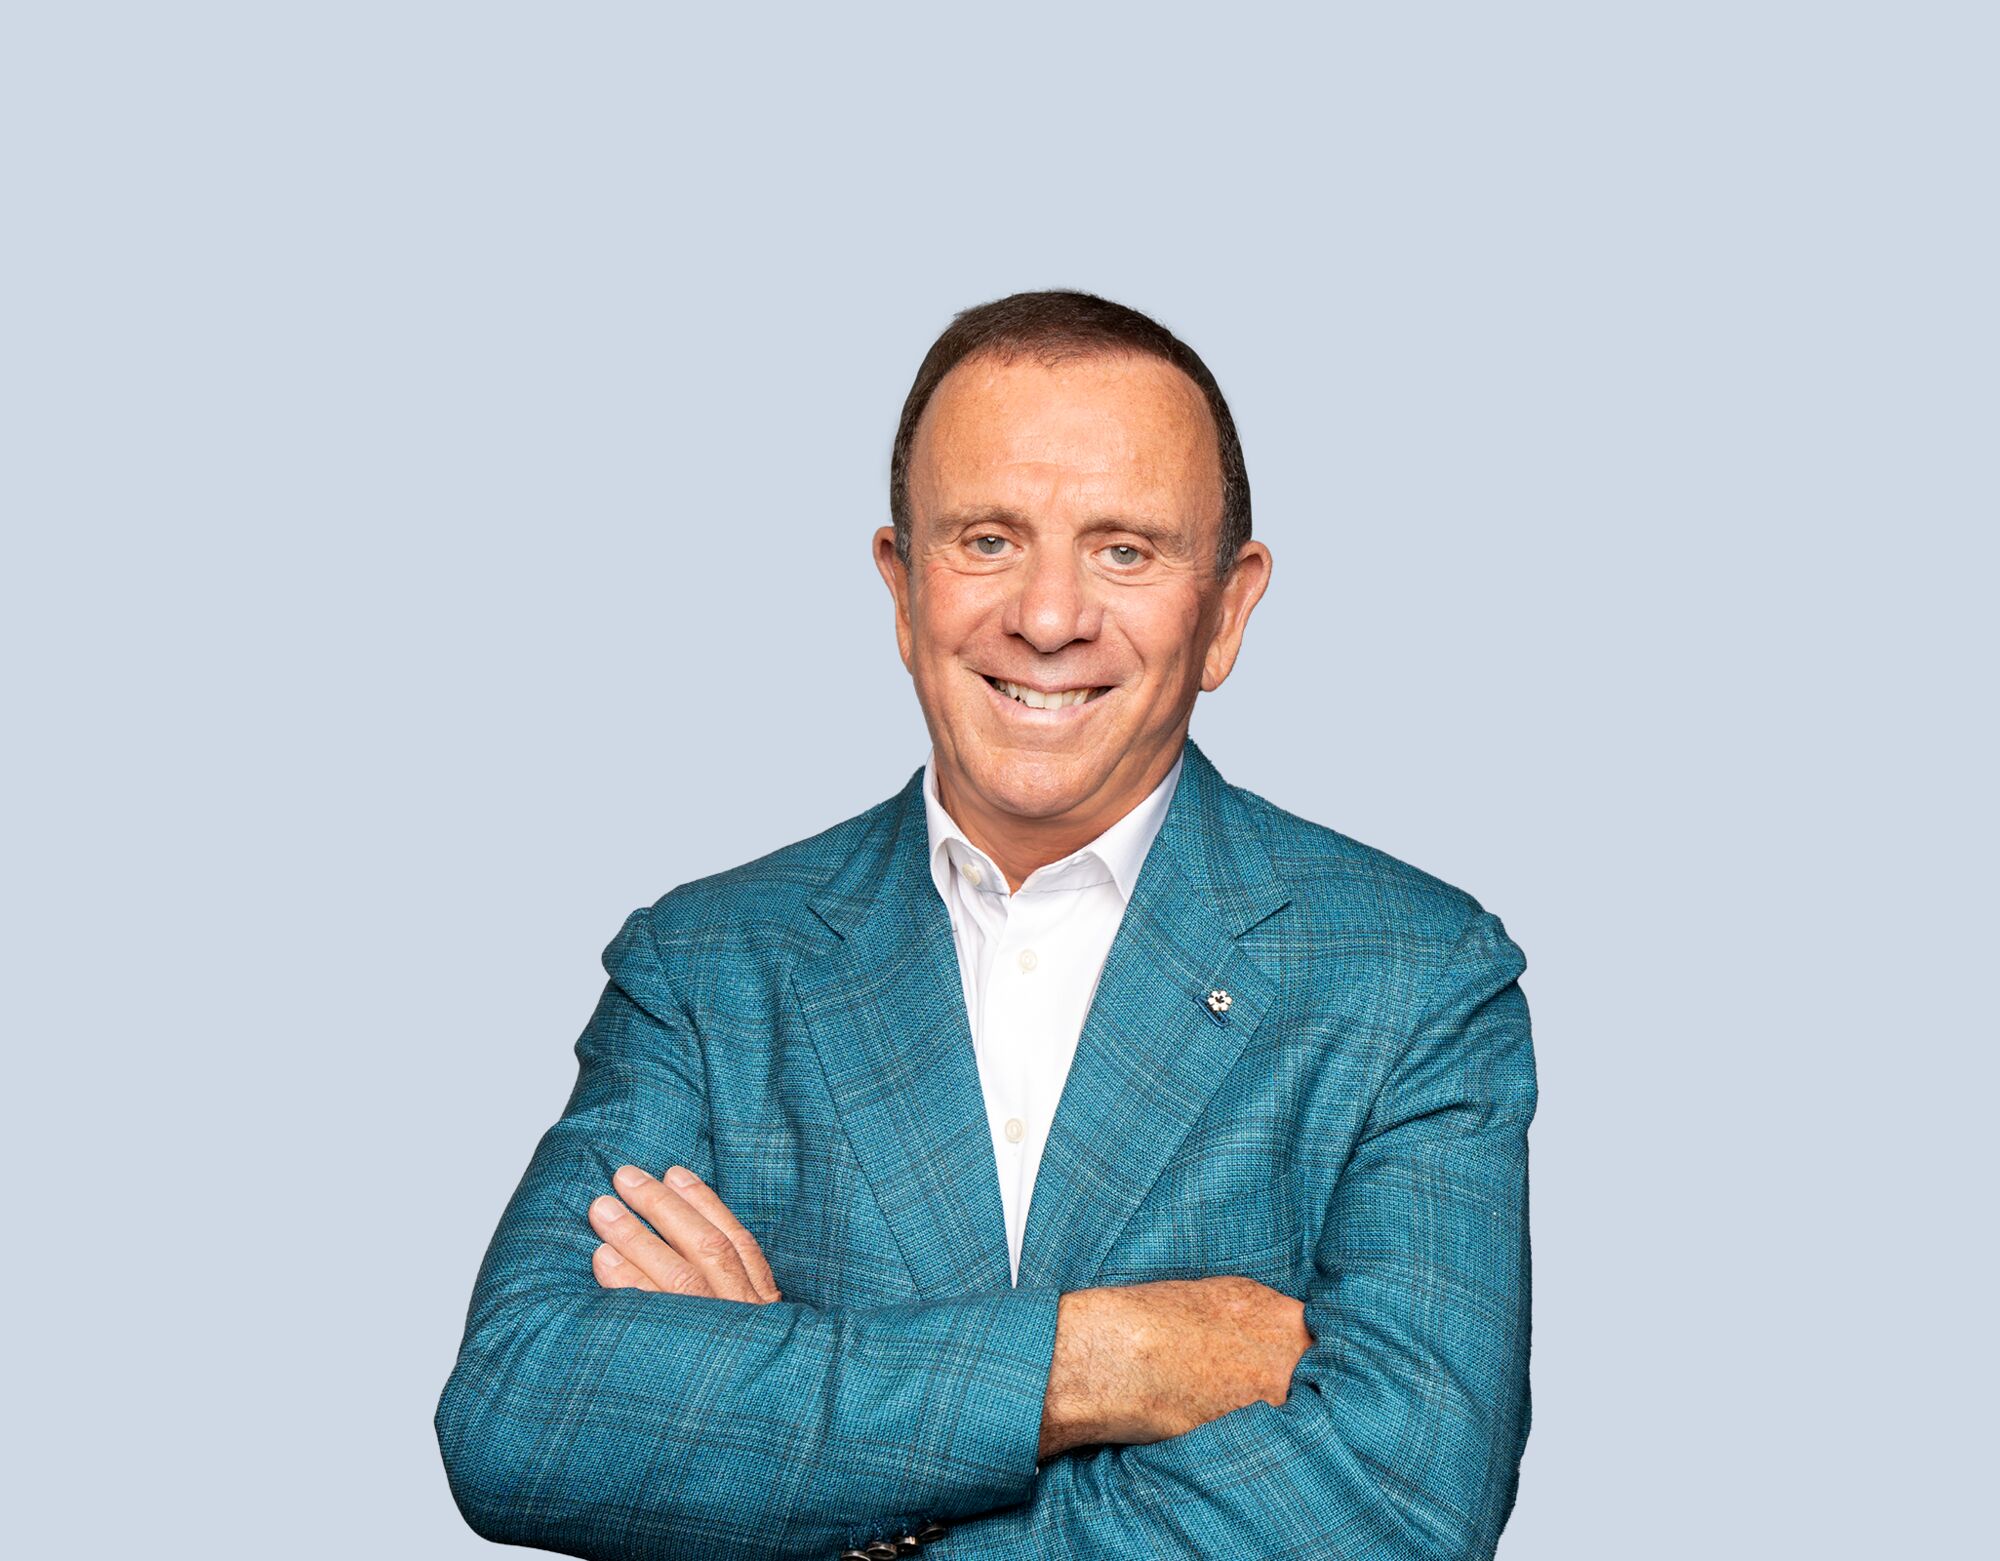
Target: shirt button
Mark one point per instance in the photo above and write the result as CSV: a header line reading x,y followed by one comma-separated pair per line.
x,y
972,873
1028,960
1014,1130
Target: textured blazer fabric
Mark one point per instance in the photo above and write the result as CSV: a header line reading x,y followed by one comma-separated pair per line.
x,y
1351,1130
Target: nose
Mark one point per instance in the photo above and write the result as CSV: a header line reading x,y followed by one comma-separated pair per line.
x,y
1053,604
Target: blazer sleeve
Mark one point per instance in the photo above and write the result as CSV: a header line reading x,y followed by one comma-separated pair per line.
x,y
628,1423
1402,1433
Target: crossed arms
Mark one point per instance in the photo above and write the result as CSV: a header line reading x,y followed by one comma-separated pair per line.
x,y
631,1421
1132,1363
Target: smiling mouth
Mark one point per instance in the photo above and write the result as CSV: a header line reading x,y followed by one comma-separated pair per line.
x,y
1035,699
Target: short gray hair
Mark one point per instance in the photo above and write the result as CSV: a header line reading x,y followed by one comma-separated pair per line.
x,y
1053,327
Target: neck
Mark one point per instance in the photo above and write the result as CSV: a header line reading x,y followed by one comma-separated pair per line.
x,y
1018,845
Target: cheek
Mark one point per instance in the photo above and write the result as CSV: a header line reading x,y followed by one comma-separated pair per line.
x,y
945,614
1166,633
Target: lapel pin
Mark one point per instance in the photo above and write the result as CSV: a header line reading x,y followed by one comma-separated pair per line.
x,y
1218,1002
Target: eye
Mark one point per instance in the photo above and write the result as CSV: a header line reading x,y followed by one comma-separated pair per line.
x,y
1124,547
983,552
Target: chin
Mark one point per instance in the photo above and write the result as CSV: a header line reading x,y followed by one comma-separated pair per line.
x,y
1040,787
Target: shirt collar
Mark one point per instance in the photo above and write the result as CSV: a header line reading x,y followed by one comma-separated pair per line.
x,y
1117,854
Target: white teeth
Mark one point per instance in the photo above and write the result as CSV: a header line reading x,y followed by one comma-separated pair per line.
x,y
1036,700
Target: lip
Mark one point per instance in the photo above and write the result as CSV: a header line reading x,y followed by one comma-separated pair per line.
x,y
1022,712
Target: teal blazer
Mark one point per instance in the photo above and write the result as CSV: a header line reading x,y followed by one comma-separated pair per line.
x,y
1350,1130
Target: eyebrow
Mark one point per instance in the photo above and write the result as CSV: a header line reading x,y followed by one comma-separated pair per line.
x,y
1157,532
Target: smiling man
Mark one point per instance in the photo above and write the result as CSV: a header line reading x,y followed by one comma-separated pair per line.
x,y
1073,1154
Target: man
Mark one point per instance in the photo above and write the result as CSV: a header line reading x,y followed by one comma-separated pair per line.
x,y
1072,1155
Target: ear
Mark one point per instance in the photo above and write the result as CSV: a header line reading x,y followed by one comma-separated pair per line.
x,y
1241,592
896,575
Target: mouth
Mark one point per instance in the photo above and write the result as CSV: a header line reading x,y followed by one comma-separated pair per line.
x,y
1056,701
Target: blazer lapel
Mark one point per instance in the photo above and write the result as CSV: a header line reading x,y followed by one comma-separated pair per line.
x,y
1152,1052
886,1010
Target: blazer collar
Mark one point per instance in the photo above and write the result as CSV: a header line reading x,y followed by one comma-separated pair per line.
x,y
886,1011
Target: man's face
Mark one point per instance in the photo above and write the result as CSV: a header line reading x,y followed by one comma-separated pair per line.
x,y
1064,525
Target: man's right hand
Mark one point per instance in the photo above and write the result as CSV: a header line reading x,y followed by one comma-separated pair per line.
x,y
696,1246
1141,1363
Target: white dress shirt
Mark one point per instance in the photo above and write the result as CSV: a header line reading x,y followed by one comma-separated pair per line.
x,y
1029,962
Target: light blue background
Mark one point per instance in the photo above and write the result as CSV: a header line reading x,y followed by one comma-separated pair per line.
x,y
442,443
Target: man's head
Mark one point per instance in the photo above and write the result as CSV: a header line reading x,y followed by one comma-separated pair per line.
x,y
1070,514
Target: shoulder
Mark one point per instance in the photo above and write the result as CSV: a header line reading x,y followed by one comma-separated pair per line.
x,y
730,936
765,899
1367,908
1324,866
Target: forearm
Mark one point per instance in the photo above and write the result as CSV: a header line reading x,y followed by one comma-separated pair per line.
x,y
634,1423
1263,1479
628,1423
1090,1398
1127,1492
1146,1362
1401,1435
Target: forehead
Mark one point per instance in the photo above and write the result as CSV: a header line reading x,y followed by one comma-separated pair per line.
x,y
1124,427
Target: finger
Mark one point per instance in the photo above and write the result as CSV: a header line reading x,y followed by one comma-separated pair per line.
x,y
707,1202
614,1273
636,1244
690,1234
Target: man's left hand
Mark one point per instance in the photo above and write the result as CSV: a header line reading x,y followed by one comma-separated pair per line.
x,y
700,1247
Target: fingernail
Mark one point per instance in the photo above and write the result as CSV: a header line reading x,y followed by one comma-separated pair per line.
x,y
608,1209
681,1176
611,1257
629,1176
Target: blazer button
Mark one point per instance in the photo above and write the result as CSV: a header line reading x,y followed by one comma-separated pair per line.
x,y
908,1545
854,1555
930,1533
881,1550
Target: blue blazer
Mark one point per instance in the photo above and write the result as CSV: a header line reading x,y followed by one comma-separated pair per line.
x,y
1352,1130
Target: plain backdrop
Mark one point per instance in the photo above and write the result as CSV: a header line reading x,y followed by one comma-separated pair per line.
x,y
441,444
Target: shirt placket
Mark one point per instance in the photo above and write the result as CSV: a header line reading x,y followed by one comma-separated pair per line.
x,y
1001,1025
